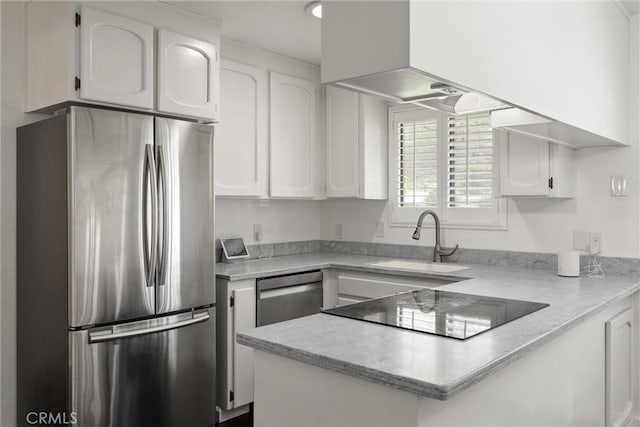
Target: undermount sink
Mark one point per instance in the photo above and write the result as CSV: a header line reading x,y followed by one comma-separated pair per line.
x,y
420,266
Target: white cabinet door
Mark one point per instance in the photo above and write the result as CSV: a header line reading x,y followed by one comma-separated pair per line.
x,y
186,76
342,141
244,317
354,287
524,165
241,135
292,137
620,369
116,60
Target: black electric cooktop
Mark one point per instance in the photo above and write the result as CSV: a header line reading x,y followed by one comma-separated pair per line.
x,y
444,313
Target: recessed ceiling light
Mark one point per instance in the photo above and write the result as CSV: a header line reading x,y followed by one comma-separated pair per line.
x,y
314,8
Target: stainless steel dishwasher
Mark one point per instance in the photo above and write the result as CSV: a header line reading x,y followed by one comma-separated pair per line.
x,y
288,297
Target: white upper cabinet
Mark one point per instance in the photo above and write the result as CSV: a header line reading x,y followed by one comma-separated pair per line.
x,y
241,137
292,140
186,76
77,53
529,167
116,59
356,145
342,137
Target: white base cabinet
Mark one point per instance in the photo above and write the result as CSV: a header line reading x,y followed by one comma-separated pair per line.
x,y
620,369
343,287
236,312
529,167
356,145
561,383
241,145
77,53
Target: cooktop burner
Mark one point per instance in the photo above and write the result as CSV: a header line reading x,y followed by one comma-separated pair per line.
x,y
449,314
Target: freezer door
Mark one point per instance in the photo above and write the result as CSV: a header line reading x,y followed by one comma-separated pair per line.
x,y
111,183
186,261
159,372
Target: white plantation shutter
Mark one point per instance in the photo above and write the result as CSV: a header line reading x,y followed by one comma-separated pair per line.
x,y
444,163
469,161
417,163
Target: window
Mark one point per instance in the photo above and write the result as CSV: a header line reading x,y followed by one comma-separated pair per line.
x,y
418,163
469,161
444,163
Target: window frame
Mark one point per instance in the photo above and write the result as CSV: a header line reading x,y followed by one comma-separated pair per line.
x,y
494,218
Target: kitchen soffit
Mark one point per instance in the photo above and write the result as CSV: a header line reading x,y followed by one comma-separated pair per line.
x,y
279,26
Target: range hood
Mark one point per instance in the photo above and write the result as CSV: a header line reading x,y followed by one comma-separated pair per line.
x,y
412,86
407,51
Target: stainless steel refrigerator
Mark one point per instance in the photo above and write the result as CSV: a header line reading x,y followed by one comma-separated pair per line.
x,y
115,270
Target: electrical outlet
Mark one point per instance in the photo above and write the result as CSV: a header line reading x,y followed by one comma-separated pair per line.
x,y
380,229
580,240
595,242
340,231
257,232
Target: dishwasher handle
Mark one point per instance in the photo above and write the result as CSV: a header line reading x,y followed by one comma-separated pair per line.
x,y
290,290
289,280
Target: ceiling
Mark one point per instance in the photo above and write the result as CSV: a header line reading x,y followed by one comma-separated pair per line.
x,y
279,26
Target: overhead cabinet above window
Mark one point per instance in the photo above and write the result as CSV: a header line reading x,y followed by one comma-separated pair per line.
x,y
85,55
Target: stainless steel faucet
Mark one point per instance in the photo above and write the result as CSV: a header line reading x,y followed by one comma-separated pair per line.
x,y
438,253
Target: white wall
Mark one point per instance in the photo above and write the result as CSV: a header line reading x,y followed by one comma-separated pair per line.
x,y
535,225
12,106
281,220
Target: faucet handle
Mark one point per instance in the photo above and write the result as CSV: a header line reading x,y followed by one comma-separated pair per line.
x,y
447,253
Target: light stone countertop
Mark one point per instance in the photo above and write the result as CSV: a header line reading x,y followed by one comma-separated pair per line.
x,y
420,363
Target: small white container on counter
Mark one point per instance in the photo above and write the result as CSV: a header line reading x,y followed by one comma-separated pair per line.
x,y
569,264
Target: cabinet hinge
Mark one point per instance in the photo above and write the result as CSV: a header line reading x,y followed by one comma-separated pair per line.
x,y
76,83
231,301
78,19
551,183
231,396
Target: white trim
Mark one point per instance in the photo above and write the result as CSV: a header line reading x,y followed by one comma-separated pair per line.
x,y
410,215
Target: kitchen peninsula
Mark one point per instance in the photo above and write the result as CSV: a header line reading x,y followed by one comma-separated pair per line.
x,y
547,368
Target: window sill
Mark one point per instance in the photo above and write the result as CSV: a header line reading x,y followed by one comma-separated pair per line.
x,y
494,226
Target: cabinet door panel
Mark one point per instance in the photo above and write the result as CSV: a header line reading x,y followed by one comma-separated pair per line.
x,y
186,75
620,371
342,139
371,288
244,317
292,137
241,145
524,165
116,60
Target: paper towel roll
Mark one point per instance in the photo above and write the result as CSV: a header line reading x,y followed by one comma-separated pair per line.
x,y
569,264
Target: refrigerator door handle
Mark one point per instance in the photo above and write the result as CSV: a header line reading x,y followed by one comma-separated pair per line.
x,y
150,171
162,266
146,327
